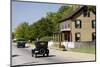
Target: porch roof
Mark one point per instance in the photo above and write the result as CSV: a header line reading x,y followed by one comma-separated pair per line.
x,y
57,32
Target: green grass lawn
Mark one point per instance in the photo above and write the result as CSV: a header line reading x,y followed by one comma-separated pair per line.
x,y
90,50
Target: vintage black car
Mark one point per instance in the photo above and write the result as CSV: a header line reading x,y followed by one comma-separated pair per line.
x,y
21,42
41,47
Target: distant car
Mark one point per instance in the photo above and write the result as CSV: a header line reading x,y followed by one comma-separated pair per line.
x,y
41,47
21,42
14,40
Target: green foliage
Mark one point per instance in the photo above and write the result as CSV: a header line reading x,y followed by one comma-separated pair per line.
x,y
41,28
63,48
13,35
65,10
92,8
46,38
45,26
22,31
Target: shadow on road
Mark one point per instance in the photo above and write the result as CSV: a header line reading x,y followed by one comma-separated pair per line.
x,y
28,63
27,46
40,56
15,55
16,66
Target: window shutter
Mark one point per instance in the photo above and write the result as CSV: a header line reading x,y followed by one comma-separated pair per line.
x,y
80,24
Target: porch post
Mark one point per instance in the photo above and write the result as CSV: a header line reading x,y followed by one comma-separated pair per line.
x,y
62,36
59,39
70,36
66,36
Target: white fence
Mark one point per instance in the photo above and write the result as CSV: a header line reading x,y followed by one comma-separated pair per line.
x,y
50,43
66,44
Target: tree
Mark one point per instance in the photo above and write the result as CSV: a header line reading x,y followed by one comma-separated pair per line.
x,y
65,10
41,28
13,35
46,26
92,8
22,31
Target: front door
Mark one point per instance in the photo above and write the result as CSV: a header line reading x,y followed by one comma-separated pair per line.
x,y
67,36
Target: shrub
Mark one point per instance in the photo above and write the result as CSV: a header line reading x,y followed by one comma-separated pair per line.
x,y
63,48
46,38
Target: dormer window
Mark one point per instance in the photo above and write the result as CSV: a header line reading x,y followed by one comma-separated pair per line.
x,y
85,11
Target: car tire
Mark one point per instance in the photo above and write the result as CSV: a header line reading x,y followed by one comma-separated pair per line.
x,y
32,55
47,54
43,55
42,51
23,46
35,55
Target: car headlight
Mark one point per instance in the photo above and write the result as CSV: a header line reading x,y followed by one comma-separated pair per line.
x,y
36,51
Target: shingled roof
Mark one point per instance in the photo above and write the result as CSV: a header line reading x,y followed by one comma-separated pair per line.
x,y
72,13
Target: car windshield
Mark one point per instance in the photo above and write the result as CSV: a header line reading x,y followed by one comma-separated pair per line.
x,y
21,39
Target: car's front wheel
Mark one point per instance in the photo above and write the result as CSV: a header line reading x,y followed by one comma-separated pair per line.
x,y
43,55
23,46
47,54
35,55
32,55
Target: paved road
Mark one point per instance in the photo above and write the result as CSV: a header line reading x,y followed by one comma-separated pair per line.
x,y
22,56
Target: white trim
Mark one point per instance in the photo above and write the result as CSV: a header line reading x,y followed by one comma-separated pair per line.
x,y
68,29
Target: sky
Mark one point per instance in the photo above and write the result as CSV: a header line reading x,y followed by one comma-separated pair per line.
x,y
30,12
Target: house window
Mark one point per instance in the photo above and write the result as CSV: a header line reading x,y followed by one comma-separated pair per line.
x,y
78,24
93,36
93,23
77,36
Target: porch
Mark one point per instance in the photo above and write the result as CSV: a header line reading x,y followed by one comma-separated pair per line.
x,y
63,38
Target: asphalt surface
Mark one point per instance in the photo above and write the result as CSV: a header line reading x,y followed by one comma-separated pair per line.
x,y
23,56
